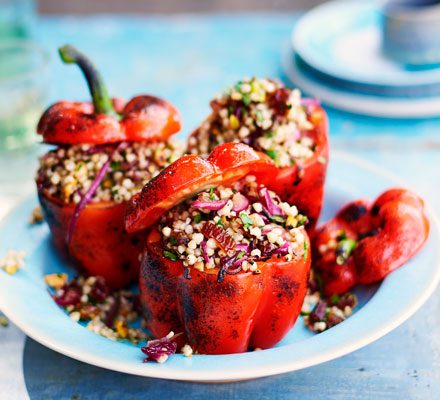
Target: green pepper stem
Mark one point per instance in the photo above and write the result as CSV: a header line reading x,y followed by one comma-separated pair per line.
x,y
101,99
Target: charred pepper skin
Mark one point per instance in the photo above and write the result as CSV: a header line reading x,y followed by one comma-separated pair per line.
x,y
388,233
303,183
99,244
246,310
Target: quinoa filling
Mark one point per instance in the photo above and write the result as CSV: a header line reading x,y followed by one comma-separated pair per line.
x,y
66,173
262,113
232,228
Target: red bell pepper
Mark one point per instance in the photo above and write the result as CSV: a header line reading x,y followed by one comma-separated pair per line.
x,y
303,183
218,317
93,235
143,118
366,241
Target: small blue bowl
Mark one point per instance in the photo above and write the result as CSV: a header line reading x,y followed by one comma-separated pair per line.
x,y
411,32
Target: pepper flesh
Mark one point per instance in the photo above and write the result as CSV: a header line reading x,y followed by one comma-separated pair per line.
x,y
245,310
387,233
99,245
303,183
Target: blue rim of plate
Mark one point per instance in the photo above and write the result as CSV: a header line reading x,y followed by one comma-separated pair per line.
x,y
24,299
403,92
314,34
356,102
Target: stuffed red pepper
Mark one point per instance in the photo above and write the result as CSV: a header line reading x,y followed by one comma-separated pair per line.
x,y
273,119
227,261
105,152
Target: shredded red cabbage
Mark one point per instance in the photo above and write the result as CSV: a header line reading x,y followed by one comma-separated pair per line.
x,y
209,205
68,295
283,250
240,202
242,247
160,349
89,194
319,312
269,204
205,253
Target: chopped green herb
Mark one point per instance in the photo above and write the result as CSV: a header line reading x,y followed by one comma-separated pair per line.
x,y
334,299
237,86
115,165
269,135
197,218
241,254
343,250
306,250
246,219
173,240
171,255
272,154
302,220
79,166
211,194
220,223
246,99
277,218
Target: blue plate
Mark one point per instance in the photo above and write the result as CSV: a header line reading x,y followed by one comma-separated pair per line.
x,y
341,41
25,300
354,101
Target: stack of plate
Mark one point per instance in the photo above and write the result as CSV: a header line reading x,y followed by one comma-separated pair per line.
x,y
337,57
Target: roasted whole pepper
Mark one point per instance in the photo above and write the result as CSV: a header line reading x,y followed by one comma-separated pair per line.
x,y
91,233
224,308
366,241
273,119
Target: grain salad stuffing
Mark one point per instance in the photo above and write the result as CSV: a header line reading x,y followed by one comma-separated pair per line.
x,y
12,261
67,173
321,313
231,228
262,113
111,314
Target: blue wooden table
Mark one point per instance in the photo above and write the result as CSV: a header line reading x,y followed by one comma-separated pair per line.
x,y
187,59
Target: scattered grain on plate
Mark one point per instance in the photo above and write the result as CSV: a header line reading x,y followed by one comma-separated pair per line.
x,y
36,216
187,350
112,314
4,322
12,261
56,281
